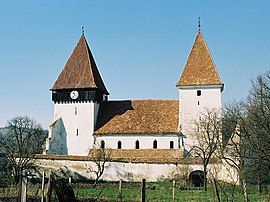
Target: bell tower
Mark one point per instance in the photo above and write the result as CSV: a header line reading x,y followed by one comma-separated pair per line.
x,y
76,94
199,87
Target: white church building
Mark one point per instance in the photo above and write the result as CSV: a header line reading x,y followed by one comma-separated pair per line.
x,y
148,138
85,118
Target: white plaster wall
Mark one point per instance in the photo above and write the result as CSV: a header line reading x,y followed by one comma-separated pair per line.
x,y
146,141
84,121
190,111
115,171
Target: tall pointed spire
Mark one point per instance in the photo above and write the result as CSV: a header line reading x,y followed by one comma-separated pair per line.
x,y
80,71
200,68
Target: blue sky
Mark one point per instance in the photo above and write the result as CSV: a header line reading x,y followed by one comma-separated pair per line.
x,y
139,46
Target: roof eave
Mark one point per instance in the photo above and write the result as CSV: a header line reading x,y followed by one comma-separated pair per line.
x,y
189,86
105,92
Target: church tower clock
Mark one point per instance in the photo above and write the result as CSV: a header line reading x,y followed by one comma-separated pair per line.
x,y
76,94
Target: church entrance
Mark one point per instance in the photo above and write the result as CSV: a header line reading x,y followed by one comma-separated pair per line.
x,y
196,178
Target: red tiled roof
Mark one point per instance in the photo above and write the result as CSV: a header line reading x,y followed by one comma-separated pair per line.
x,y
138,117
80,71
200,68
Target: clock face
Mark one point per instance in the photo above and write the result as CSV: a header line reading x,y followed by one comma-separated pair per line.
x,y
74,94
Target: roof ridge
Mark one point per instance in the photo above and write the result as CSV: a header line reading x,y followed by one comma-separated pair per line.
x,y
210,56
88,58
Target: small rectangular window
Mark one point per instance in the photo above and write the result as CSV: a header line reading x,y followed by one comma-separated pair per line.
x,y
198,102
171,145
199,92
76,111
77,132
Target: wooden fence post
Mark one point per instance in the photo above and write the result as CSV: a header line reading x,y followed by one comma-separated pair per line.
x,y
42,186
143,187
24,187
173,190
50,188
120,191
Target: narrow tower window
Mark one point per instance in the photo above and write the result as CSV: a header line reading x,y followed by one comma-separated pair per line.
x,y
171,145
199,92
198,102
137,144
155,144
75,110
102,144
77,132
119,145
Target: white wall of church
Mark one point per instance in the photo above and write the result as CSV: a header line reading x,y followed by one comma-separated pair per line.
x,y
78,120
193,106
115,171
145,141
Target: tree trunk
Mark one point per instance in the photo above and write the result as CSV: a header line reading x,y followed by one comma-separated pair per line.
x,y
18,181
204,179
50,188
216,190
24,188
260,186
19,190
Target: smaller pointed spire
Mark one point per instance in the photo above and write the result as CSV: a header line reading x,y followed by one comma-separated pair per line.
x,y
199,24
82,30
200,68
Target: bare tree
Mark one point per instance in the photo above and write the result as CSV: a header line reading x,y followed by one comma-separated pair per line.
x,y
235,151
208,138
19,142
246,128
256,127
100,157
257,120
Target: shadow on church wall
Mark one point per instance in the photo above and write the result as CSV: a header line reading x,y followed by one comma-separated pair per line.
x,y
58,141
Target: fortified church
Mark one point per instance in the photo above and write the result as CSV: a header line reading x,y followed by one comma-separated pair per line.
x,y
146,138
85,118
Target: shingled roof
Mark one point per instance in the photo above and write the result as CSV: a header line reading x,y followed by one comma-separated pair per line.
x,y
80,71
138,117
200,68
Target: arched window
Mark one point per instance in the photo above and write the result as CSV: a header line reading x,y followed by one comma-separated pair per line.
x,y
199,92
102,144
155,144
119,145
137,144
171,145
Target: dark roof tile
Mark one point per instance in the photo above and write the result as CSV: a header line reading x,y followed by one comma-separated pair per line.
x,y
80,71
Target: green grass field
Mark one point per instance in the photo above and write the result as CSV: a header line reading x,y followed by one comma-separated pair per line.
x,y
155,191
162,191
